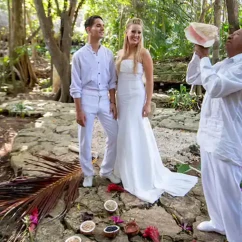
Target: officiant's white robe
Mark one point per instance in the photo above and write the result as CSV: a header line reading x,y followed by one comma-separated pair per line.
x,y
220,140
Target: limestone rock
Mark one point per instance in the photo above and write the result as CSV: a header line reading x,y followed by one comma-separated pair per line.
x,y
131,201
170,72
186,209
155,216
137,239
184,237
89,198
73,218
104,195
160,99
50,231
2,96
182,120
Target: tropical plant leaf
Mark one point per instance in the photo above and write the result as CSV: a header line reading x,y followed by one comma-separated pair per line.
x,y
183,168
20,196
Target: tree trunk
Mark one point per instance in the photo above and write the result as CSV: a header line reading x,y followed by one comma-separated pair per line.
x,y
18,52
33,40
60,53
233,15
10,47
120,33
203,12
76,14
197,89
217,22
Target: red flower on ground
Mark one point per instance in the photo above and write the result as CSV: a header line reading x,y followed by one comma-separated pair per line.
x,y
34,217
152,233
117,219
32,227
115,188
186,228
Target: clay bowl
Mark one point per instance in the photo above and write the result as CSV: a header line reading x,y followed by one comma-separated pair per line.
x,y
111,234
110,206
131,228
73,239
87,227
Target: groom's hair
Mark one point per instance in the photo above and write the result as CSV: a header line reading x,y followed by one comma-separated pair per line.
x,y
90,21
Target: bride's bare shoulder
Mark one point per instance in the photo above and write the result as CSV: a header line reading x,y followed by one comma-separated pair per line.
x,y
143,54
120,53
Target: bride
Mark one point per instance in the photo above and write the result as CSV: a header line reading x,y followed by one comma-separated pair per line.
x,y
138,163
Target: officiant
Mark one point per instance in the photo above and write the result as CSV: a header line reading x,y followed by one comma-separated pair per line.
x,y
220,136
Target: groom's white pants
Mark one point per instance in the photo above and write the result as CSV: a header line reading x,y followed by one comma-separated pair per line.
x,y
221,180
97,104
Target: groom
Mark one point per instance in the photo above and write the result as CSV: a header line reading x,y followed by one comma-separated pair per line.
x,y
93,77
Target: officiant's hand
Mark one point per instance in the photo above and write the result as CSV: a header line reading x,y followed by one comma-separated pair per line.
x,y
81,118
146,110
201,51
113,109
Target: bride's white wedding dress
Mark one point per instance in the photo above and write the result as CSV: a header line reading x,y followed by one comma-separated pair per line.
x,y
138,163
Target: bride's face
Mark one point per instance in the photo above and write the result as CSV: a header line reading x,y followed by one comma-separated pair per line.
x,y
134,34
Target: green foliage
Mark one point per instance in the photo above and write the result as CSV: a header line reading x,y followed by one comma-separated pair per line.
x,y
47,89
183,168
4,61
4,67
20,109
45,83
164,24
41,49
183,100
74,49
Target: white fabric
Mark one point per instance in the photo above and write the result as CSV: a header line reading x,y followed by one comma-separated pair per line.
x,y
220,128
92,71
138,162
97,106
221,184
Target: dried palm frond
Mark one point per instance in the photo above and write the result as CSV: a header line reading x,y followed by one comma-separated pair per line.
x,y
20,196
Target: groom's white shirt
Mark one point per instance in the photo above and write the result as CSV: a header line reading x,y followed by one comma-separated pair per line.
x,y
92,72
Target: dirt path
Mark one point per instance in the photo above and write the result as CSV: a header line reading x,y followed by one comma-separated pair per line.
x,y
9,127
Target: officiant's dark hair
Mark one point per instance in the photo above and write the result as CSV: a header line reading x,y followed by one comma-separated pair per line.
x,y
90,21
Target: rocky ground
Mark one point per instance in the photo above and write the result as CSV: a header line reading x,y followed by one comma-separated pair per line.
x,y
56,129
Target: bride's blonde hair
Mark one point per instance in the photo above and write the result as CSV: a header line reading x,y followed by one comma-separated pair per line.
x,y
126,49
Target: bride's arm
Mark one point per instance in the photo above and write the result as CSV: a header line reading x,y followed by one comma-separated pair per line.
x,y
148,70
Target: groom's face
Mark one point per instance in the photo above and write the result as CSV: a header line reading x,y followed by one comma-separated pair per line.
x,y
96,31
